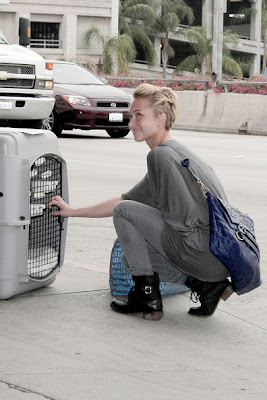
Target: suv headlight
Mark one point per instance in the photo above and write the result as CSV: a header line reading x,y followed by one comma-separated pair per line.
x,y
44,84
77,100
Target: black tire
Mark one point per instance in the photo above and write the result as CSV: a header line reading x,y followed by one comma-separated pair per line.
x,y
118,133
57,131
34,124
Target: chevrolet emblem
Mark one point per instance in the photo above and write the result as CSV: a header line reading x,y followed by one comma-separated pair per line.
x,y
4,75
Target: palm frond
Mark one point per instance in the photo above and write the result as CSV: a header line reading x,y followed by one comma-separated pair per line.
x,y
197,35
170,51
185,11
126,53
229,65
92,33
108,61
141,12
188,64
170,21
126,46
147,45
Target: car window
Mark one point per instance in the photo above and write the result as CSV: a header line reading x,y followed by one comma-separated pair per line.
x,y
3,39
73,74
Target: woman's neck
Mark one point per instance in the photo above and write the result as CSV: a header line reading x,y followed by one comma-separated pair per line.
x,y
155,141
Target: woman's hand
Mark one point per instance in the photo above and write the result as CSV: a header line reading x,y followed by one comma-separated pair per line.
x,y
64,209
99,210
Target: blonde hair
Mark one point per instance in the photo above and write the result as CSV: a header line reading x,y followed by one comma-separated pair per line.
x,y
162,99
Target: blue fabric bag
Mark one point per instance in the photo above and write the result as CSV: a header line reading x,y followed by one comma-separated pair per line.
x,y
121,281
232,239
233,242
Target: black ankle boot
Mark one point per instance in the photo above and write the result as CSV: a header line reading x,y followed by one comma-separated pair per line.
x,y
144,298
209,293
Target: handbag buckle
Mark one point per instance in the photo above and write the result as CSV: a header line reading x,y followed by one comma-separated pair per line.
x,y
203,187
148,289
240,233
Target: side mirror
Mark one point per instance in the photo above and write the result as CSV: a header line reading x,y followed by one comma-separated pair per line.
x,y
24,31
104,80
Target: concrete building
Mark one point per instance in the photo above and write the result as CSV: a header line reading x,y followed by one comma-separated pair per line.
x,y
58,28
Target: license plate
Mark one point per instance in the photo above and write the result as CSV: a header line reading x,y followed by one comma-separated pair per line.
x,y
5,105
115,117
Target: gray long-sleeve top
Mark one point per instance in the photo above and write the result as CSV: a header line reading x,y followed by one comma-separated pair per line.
x,y
171,188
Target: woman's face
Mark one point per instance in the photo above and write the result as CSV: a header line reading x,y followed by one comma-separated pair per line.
x,y
144,124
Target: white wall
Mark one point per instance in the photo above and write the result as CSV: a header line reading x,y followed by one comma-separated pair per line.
x,y
74,16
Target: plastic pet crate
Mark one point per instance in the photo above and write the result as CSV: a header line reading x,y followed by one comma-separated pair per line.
x,y
32,241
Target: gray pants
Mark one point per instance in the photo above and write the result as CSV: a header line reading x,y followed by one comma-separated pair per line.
x,y
139,228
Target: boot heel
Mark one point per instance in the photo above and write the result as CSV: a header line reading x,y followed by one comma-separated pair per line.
x,y
227,293
153,316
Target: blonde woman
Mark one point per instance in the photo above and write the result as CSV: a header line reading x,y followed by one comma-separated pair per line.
x,y
162,223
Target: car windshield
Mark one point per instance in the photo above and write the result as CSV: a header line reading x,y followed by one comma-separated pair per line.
x,y
73,74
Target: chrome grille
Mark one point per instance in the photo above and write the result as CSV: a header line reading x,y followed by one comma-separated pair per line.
x,y
18,83
23,76
44,230
18,69
110,104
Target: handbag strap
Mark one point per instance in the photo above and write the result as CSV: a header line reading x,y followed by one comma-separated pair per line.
x,y
186,163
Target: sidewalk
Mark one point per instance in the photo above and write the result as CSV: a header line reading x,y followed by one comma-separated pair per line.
x,y
64,342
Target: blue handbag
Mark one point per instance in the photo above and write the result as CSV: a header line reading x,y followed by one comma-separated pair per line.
x,y
233,242
232,239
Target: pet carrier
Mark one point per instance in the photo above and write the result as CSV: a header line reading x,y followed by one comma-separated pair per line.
x,y
32,241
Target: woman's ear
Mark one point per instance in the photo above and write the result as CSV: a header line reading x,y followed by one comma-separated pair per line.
x,y
162,119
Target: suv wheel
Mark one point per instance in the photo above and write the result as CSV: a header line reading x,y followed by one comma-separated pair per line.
x,y
48,123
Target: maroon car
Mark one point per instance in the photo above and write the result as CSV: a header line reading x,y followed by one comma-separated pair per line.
x,y
84,101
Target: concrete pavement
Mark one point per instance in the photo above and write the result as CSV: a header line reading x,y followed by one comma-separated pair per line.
x,y
64,342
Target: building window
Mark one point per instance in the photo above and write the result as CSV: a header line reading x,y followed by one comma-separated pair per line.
x,y
45,35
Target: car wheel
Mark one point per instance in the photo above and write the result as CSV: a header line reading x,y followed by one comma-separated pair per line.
x,y
117,133
48,123
56,129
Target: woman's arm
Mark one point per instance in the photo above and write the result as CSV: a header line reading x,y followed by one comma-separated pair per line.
x,y
99,210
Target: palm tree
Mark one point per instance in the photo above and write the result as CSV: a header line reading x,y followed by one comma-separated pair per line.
x,y
136,18
169,16
197,36
245,14
120,48
229,64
